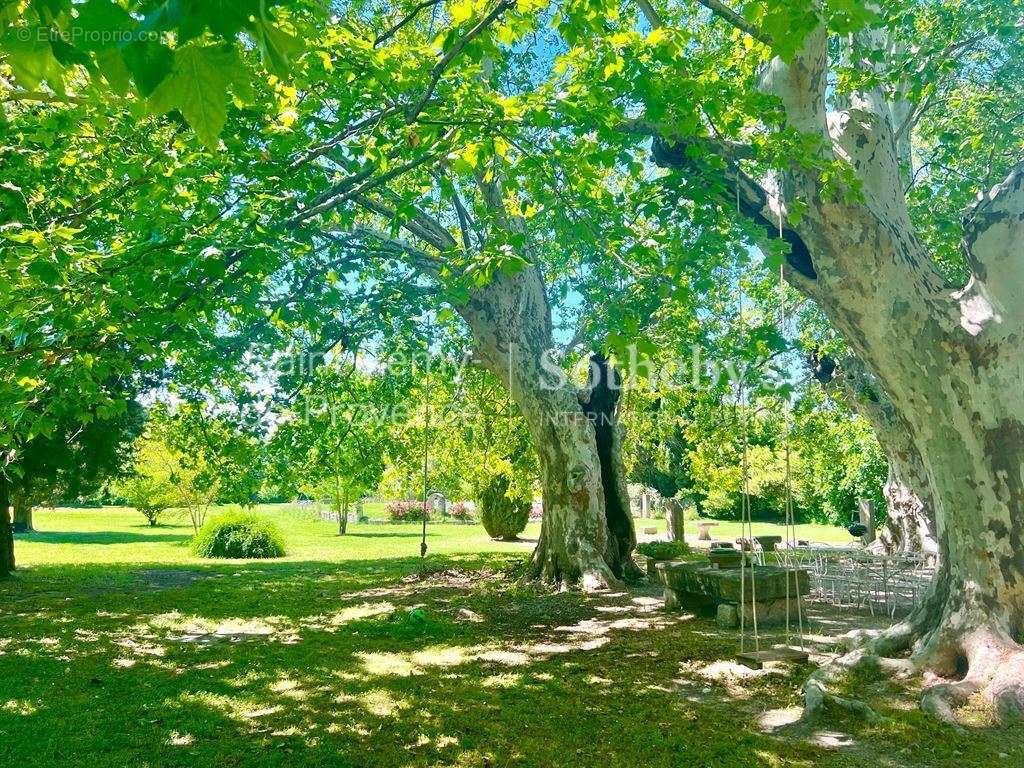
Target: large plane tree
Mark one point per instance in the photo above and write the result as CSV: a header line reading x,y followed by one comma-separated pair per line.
x,y
391,162
848,137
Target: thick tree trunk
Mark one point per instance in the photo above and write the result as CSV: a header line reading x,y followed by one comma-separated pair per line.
x,y
6,534
908,525
22,513
948,359
950,365
587,532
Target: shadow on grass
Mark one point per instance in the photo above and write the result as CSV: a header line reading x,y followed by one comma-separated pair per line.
x,y
100,537
387,662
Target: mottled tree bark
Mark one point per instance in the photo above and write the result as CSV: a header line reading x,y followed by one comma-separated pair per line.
x,y
22,512
909,526
947,357
587,532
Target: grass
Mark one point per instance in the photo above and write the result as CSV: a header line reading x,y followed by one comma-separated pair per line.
x,y
117,535
730,530
119,648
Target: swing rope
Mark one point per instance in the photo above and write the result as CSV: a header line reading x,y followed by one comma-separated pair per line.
x,y
746,518
745,527
791,539
746,524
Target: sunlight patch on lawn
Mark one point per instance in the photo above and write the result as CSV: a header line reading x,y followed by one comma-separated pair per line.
x,y
379,664
241,709
197,629
261,712
441,656
290,689
728,674
379,702
508,658
22,707
504,680
329,622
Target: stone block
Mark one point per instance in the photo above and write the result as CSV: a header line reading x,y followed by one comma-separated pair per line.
x,y
698,587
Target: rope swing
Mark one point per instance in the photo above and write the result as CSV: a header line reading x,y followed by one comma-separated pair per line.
x,y
756,555
791,540
746,524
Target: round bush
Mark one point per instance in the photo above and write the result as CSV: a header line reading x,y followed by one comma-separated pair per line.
x,y
239,535
503,514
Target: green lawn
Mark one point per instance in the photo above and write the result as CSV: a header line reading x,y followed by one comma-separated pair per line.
x,y
729,530
118,535
118,648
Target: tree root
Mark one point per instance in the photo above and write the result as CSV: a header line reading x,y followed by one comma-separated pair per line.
x,y
585,569
956,664
817,696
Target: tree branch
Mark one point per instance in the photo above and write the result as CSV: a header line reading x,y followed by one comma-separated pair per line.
x,y
453,52
751,200
994,236
724,12
44,97
350,131
424,220
800,84
358,184
413,227
385,36
650,14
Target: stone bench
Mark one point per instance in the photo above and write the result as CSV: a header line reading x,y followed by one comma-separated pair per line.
x,y
708,591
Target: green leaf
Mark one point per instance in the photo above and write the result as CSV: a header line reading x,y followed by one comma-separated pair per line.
x,y
197,87
149,63
112,67
277,47
227,17
97,20
31,58
461,11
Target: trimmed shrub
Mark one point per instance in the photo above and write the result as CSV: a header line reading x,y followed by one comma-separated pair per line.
x,y
503,512
239,535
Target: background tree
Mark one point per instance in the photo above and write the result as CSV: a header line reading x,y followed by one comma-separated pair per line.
x,y
206,457
149,488
333,441
73,462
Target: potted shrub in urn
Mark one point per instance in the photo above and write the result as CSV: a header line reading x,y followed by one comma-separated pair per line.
x,y
650,553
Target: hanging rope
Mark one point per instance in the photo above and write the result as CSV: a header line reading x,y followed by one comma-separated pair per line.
x,y
746,524
791,540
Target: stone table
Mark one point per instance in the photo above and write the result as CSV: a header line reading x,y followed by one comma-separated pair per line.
x,y
704,530
708,591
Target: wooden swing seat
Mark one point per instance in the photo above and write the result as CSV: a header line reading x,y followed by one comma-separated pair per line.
x,y
757,659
